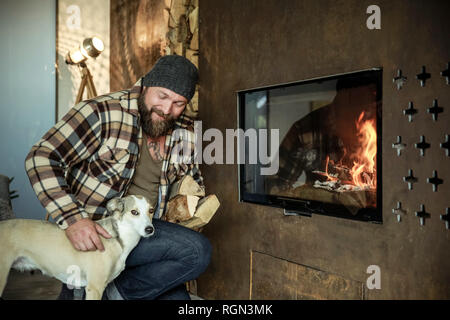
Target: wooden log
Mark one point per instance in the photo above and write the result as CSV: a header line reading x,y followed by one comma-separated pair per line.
x,y
186,186
207,206
188,205
352,200
206,209
181,208
193,20
168,4
193,45
177,10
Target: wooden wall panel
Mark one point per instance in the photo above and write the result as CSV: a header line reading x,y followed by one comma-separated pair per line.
x,y
138,31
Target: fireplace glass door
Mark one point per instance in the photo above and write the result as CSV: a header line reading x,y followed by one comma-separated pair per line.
x,y
329,155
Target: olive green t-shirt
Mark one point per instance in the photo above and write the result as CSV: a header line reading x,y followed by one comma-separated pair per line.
x,y
146,178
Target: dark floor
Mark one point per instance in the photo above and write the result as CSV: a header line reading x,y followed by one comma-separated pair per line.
x,y
27,286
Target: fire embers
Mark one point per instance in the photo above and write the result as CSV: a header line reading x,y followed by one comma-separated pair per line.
x,y
357,171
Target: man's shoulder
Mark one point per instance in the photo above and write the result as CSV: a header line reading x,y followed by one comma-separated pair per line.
x,y
123,101
127,98
184,129
185,122
119,102
113,97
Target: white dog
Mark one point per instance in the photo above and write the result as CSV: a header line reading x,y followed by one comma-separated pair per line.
x,y
41,245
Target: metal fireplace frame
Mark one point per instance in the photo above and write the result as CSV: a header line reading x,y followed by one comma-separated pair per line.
x,y
293,206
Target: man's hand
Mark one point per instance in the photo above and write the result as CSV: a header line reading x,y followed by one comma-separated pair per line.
x,y
83,235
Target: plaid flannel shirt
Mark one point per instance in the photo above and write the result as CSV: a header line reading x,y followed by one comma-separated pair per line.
x,y
90,156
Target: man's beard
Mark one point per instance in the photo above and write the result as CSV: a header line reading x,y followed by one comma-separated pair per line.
x,y
154,129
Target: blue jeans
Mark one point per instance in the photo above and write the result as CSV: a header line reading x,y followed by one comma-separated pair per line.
x,y
158,266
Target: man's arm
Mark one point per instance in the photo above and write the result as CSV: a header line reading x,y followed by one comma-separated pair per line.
x,y
73,139
188,135
194,171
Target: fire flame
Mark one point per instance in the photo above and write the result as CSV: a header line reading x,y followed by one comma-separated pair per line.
x,y
329,177
363,171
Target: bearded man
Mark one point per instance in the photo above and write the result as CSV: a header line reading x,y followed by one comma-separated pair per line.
x,y
121,144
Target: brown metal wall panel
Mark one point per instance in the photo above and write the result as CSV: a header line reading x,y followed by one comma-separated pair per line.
x,y
275,278
247,44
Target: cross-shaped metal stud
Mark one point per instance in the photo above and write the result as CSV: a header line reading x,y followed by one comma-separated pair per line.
x,y
435,181
435,110
399,80
410,111
422,214
446,217
410,179
399,211
446,145
446,73
422,145
423,76
399,145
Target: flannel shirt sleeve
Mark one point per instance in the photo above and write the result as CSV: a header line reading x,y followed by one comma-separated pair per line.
x,y
73,139
195,172
193,168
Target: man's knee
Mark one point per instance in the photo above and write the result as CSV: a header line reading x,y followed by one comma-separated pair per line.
x,y
206,252
204,249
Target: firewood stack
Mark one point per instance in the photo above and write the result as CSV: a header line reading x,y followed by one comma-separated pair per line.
x,y
182,37
188,204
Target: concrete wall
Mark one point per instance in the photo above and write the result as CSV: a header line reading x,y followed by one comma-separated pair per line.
x,y
27,87
260,253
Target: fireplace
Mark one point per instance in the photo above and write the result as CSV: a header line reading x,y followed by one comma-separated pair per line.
x,y
329,153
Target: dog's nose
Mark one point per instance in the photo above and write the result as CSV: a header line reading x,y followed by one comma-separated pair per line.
x,y
149,230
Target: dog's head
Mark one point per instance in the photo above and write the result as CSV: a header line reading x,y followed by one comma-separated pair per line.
x,y
134,210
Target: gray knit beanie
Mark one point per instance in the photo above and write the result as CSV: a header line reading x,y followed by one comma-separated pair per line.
x,y
175,73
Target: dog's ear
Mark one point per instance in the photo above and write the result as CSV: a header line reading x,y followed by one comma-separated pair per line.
x,y
114,205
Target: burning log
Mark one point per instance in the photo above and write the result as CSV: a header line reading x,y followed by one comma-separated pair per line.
x,y
338,186
350,196
351,180
362,175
